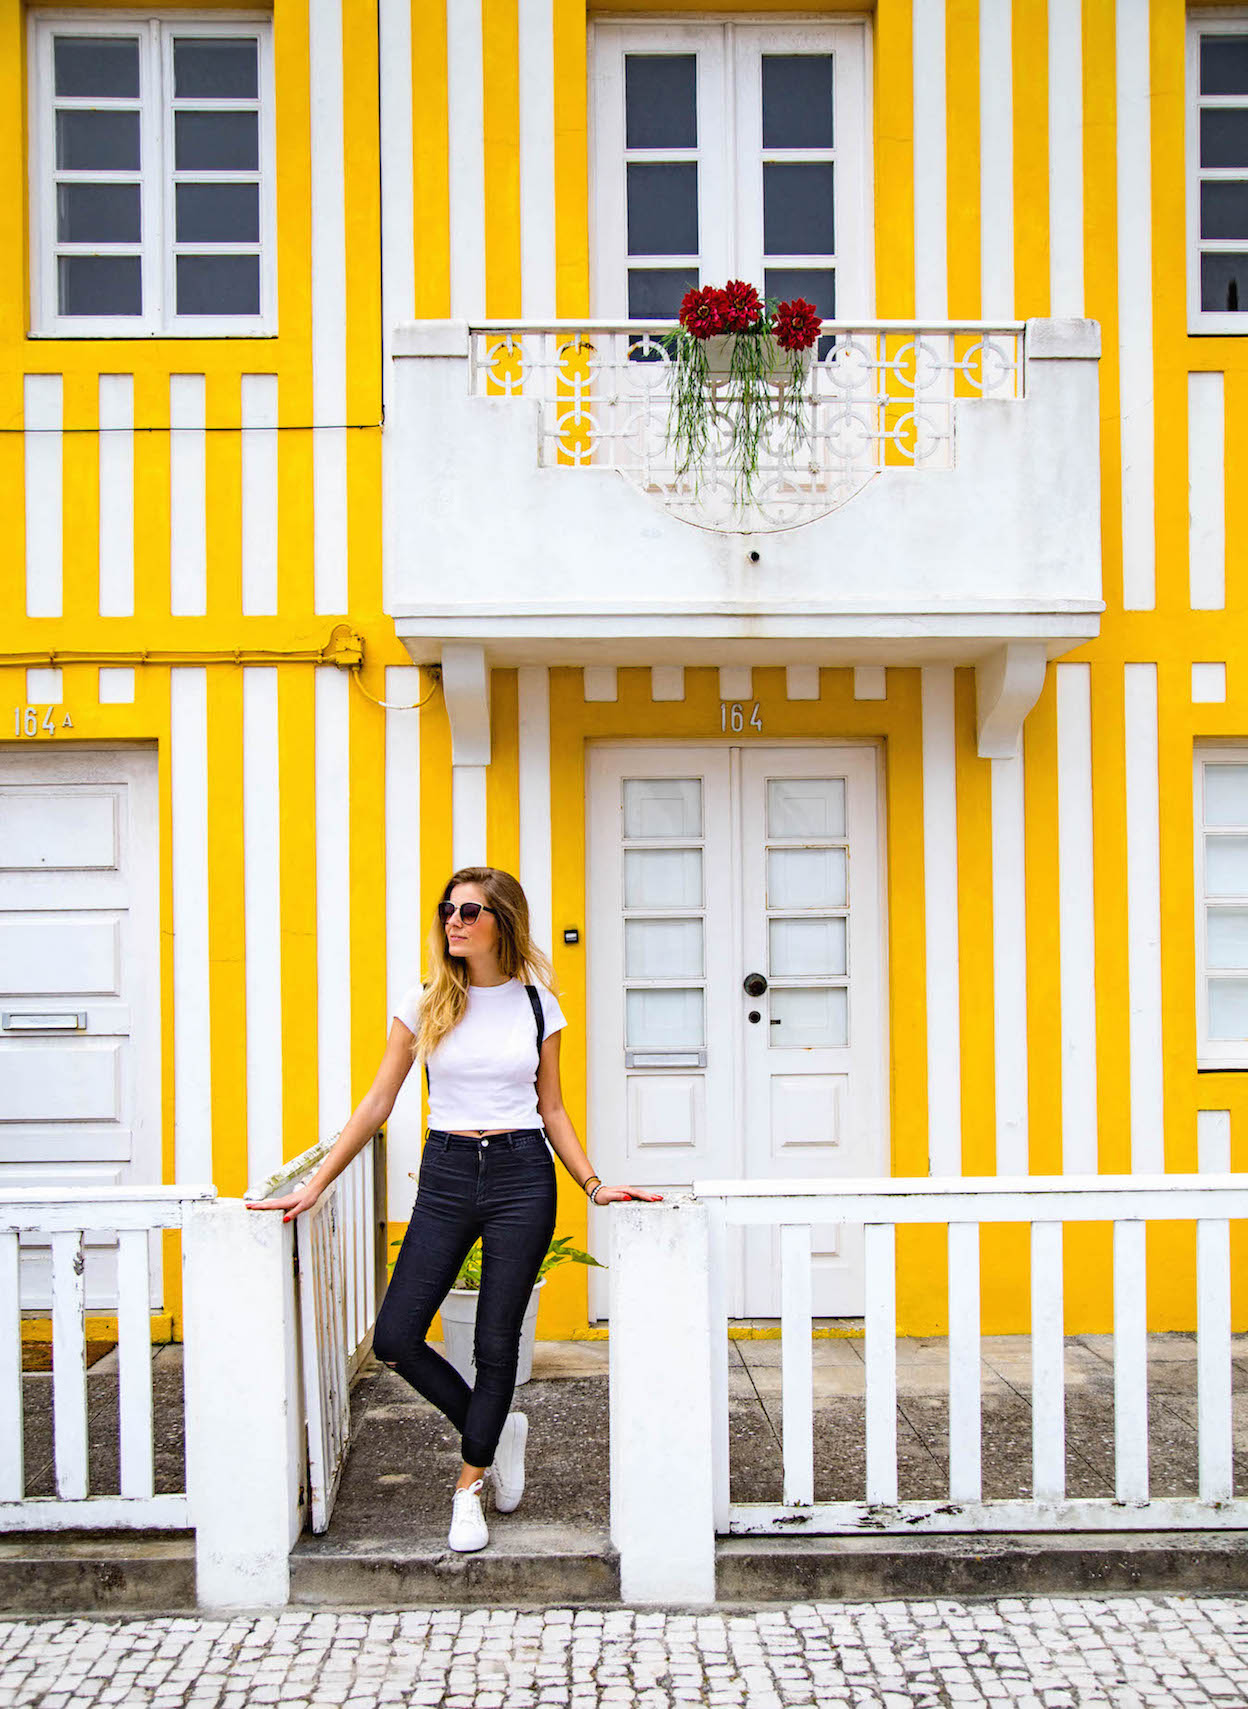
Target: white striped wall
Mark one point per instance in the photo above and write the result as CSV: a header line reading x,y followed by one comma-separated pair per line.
x,y
405,924
534,767
465,96
1076,919
259,494
333,898
44,493
996,155
329,308
1009,964
940,904
1206,475
1135,305
188,519
1066,157
537,158
116,493
262,920
1143,861
931,274
192,1017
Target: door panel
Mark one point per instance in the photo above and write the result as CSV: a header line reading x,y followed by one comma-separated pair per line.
x,y
79,986
706,864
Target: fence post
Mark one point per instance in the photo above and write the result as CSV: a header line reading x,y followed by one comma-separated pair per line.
x,y
243,1437
662,1499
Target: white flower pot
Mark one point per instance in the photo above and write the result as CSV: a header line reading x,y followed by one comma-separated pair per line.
x,y
719,355
459,1323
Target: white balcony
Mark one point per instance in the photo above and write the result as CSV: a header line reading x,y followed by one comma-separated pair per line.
x,y
944,503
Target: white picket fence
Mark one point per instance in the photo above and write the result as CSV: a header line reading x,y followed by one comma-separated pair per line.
x,y
341,1276
669,1364
63,1224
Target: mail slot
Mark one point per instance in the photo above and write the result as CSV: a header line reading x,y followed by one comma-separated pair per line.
x,y
43,1021
665,1059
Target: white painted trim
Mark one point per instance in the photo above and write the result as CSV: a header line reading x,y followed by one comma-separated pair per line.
x,y
535,20
801,682
1076,919
736,682
42,443
870,682
1213,1142
534,781
333,897
188,521
116,495
329,309
466,100
940,900
115,685
44,685
1009,964
601,682
398,255
1206,487
404,922
262,919
931,272
1135,306
1066,234
1144,919
667,682
468,815
1208,684
996,158
192,1008
259,494
1008,682
1210,1052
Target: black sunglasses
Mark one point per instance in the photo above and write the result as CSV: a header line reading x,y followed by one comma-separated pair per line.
x,y
468,911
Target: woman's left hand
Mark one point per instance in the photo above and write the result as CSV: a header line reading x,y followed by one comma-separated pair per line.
x,y
613,1195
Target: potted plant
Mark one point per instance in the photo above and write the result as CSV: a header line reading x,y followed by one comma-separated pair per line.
x,y
739,363
459,1308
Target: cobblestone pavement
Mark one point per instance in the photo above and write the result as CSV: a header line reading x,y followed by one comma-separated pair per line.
x,y
1039,1652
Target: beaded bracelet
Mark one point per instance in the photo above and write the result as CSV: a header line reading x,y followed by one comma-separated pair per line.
x,y
597,1179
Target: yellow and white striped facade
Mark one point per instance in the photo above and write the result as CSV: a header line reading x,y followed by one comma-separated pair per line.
x,y
174,502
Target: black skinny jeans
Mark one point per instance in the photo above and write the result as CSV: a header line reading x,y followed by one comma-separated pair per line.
x,y
500,1190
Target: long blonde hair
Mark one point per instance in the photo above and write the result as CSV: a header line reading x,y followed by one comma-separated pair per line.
x,y
445,1001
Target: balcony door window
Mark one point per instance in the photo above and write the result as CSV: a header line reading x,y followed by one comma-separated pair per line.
x,y
730,150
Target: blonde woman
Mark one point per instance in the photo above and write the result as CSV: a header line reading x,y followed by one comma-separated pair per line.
x,y
485,1171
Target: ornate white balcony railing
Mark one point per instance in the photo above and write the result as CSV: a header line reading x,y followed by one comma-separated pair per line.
x,y
881,395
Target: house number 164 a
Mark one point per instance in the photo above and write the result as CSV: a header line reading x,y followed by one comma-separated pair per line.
x,y
732,717
27,722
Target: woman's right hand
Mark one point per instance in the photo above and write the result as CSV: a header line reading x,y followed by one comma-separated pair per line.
x,y
293,1204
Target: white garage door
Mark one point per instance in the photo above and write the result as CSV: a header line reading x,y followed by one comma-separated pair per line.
x,y
79,984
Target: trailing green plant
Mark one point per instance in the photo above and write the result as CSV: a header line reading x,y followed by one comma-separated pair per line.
x,y
766,377
560,1251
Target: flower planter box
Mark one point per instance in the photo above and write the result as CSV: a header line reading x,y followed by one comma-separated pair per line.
x,y
719,356
459,1322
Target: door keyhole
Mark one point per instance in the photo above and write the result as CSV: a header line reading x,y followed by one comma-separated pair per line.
x,y
754,1016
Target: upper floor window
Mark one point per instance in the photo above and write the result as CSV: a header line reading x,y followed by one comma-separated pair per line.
x,y
151,175
1217,176
730,150
1222,907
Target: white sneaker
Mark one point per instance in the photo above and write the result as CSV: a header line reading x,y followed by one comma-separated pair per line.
x,y
468,1529
507,1472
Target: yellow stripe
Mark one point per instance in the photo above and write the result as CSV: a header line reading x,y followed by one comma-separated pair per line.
x,y
297,787
227,987
431,204
502,780
894,161
1030,51
571,160
501,140
962,156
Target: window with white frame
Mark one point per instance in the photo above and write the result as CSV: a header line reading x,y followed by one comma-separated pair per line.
x,y
730,150
152,174
1217,172
1222,907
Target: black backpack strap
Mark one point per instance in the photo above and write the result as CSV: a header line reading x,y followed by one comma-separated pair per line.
x,y
538,1016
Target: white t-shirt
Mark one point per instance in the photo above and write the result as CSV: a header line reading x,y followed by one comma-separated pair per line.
x,y
481,1074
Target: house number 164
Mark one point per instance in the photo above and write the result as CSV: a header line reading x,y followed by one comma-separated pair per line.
x,y
732,717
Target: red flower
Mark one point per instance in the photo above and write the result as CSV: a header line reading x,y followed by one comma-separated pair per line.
x,y
796,324
702,312
742,308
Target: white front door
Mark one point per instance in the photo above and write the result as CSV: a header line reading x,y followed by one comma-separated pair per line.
x,y
79,985
710,867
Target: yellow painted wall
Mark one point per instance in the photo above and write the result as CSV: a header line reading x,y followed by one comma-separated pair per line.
x,y
1172,635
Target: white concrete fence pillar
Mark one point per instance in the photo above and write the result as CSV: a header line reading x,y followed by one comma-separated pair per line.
x,y
244,1428
662,1514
